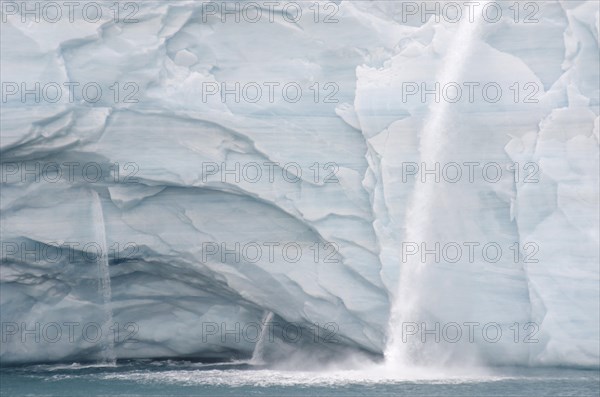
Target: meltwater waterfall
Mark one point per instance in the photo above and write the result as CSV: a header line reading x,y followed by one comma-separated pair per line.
x,y
258,356
237,198
435,138
108,351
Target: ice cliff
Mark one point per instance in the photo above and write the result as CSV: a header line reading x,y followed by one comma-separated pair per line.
x,y
328,174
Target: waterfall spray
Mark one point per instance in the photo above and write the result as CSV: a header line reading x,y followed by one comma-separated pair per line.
x,y
400,353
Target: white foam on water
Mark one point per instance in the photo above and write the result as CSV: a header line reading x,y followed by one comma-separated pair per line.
x,y
268,378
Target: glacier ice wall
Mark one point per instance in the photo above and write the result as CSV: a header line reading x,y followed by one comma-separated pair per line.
x,y
163,207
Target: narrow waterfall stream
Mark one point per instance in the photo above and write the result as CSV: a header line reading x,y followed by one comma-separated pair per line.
x,y
108,351
259,349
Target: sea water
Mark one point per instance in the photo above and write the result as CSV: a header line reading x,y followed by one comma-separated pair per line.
x,y
186,378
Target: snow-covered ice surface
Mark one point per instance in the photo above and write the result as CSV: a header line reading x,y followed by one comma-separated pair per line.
x,y
164,208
